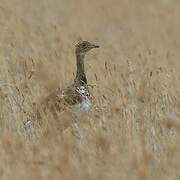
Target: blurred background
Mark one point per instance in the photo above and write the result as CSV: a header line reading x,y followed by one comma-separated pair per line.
x,y
137,76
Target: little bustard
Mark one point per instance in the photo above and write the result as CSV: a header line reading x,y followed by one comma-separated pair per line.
x,y
76,96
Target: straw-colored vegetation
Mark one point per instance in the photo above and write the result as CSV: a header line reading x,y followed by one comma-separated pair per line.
x,y
134,131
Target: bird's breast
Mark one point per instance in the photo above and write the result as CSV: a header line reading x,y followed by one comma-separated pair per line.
x,y
83,91
85,104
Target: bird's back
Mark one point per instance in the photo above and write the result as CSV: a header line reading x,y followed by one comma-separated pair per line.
x,y
76,97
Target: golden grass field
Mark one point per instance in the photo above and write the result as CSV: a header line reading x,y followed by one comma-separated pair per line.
x,y
135,133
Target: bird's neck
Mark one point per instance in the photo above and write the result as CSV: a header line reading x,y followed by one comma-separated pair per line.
x,y
80,73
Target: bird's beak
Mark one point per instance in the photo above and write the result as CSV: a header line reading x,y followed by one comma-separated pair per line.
x,y
94,46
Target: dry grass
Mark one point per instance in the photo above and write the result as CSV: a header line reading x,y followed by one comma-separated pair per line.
x,y
137,78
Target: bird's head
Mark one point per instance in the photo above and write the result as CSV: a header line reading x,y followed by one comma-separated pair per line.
x,y
85,46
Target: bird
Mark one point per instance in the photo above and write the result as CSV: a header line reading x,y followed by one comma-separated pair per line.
x,y
76,96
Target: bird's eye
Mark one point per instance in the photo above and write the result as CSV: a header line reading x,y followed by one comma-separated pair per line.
x,y
84,45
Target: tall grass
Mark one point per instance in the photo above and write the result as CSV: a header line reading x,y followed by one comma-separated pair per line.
x,y
133,131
